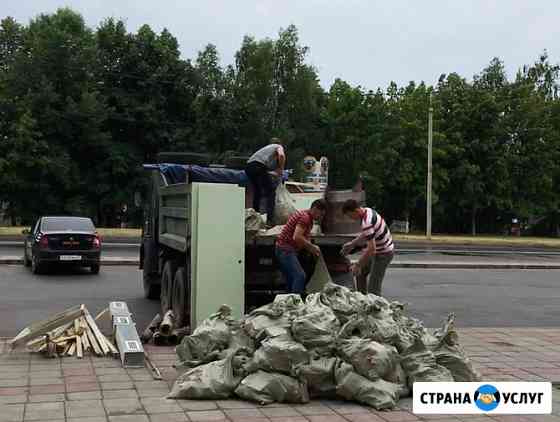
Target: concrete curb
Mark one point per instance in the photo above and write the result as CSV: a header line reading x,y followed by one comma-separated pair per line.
x,y
14,260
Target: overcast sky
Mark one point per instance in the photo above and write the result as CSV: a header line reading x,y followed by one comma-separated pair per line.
x,y
365,42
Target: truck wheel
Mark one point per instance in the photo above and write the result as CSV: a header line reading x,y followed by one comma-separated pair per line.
x,y
152,285
167,276
181,296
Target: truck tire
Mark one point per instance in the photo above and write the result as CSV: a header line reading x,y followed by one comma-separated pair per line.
x,y
181,296
152,285
167,276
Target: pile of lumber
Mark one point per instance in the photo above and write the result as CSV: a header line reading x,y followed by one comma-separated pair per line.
x,y
69,333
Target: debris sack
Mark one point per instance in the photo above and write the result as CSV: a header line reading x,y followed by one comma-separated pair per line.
x,y
338,344
265,388
318,326
214,380
379,394
285,205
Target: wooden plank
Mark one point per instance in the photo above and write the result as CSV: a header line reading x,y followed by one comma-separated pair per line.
x,y
102,314
85,342
156,374
79,350
93,342
111,346
96,331
66,349
53,335
72,350
42,327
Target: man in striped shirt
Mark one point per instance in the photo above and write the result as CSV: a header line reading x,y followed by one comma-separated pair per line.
x,y
379,250
293,240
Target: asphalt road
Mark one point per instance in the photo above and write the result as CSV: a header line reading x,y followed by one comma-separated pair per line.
x,y
26,298
477,297
412,252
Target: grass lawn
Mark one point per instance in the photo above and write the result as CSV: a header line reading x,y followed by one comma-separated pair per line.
x,y
436,239
15,231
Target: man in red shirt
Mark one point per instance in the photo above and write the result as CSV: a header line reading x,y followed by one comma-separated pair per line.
x,y
293,239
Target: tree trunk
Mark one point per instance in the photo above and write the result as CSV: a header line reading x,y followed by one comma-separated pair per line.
x,y
473,221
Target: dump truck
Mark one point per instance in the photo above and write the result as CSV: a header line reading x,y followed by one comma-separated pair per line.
x,y
195,252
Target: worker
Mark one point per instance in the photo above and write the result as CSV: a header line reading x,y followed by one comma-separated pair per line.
x,y
379,250
266,163
293,240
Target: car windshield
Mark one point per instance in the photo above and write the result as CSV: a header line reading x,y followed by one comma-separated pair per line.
x,y
64,224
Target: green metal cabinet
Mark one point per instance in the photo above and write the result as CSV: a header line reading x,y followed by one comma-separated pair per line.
x,y
217,250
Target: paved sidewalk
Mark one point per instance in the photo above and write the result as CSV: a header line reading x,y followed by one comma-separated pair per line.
x,y
33,388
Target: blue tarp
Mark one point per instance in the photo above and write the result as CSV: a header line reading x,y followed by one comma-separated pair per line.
x,y
176,173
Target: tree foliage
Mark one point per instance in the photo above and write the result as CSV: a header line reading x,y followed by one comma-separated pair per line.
x,y
81,109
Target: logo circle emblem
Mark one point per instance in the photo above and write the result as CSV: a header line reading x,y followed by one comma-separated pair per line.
x,y
487,397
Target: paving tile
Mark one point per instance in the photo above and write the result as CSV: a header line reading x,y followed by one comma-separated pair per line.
x,y
117,385
140,376
129,418
276,412
326,418
17,399
80,379
46,381
197,405
82,387
56,373
12,413
90,419
47,389
84,408
363,417
109,371
290,419
84,395
168,417
114,378
102,363
235,404
207,415
14,382
243,414
160,405
398,416
150,384
50,410
120,394
152,393
349,408
314,410
41,398
73,372
117,407
13,391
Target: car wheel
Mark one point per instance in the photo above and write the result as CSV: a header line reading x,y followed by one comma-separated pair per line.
x,y
26,261
36,267
94,269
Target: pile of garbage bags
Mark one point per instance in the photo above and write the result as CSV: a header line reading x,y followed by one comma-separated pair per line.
x,y
339,343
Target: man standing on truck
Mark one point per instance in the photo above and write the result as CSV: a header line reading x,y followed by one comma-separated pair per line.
x,y
267,160
379,247
293,240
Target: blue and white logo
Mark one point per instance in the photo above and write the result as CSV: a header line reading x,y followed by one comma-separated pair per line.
x,y
487,397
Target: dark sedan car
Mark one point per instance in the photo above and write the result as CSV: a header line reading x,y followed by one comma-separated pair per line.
x,y
65,240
